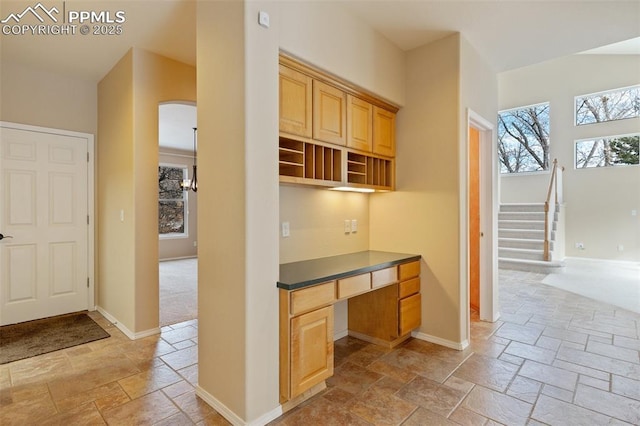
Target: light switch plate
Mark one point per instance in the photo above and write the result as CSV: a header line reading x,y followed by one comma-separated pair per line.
x,y
263,19
347,226
285,229
354,225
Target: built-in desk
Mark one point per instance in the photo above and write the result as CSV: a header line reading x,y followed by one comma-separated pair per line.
x,y
383,293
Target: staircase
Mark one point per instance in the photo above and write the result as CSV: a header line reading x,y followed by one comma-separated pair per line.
x,y
521,238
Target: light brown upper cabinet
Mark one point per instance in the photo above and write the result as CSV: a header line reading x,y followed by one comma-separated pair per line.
x,y
384,132
329,114
295,102
359,124
333,133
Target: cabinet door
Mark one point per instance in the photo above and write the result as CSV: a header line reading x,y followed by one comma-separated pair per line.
x,y
295,102
384,132
359,124
311,349
329,114
410,314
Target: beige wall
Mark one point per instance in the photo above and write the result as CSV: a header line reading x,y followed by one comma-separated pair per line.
x,y
115,239
176,248
329,37
42,98
422,215
222,263
427,212
128,180
157,79
598,201
316,219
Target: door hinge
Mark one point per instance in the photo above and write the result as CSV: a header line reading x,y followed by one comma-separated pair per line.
x,y
87,282
87,157
87,219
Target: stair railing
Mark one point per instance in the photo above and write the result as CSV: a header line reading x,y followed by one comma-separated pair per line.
x,y
555,189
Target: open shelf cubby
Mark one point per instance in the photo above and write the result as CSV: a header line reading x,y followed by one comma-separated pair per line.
x,y
306,160
371,171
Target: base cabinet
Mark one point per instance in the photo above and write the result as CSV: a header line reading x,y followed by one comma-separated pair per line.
x,y
311,349
384,307
388,315
409,314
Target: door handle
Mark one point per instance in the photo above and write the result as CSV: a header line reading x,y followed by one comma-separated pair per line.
x,y
2,237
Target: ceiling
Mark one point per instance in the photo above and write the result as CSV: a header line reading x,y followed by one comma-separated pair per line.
x,y
176,126
164,27
508,33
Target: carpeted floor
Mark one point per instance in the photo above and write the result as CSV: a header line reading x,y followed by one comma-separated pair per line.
x,y
617,283
178,291
28,339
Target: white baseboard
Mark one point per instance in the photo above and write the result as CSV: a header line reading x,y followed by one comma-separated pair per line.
x,y
440,341
340,334
177,258
604,261
232,417
267,417
130,334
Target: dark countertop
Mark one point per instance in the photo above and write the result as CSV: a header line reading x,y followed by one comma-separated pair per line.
x,y
305,273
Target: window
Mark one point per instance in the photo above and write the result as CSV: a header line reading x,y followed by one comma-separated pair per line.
x,y
607,152
172,201
523,139
608,106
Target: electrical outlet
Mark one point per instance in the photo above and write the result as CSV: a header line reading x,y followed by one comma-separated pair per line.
x,y
195,244
580,246
347,226
285,229
354,225
620,247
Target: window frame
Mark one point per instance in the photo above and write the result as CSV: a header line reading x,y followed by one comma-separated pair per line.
x,y
619,89
595,138
185,200
530,172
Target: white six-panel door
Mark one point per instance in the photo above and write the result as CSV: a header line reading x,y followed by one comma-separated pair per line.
x,y
43,196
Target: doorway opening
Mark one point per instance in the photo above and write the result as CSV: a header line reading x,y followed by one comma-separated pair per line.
x,y
482,227
473,176
177,213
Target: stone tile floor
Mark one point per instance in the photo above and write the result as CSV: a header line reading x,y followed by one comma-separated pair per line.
x,y
553,358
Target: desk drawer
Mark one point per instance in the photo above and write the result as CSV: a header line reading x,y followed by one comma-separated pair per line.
x,y
409,287
353,285
409,270
384,277
410,313
313,297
